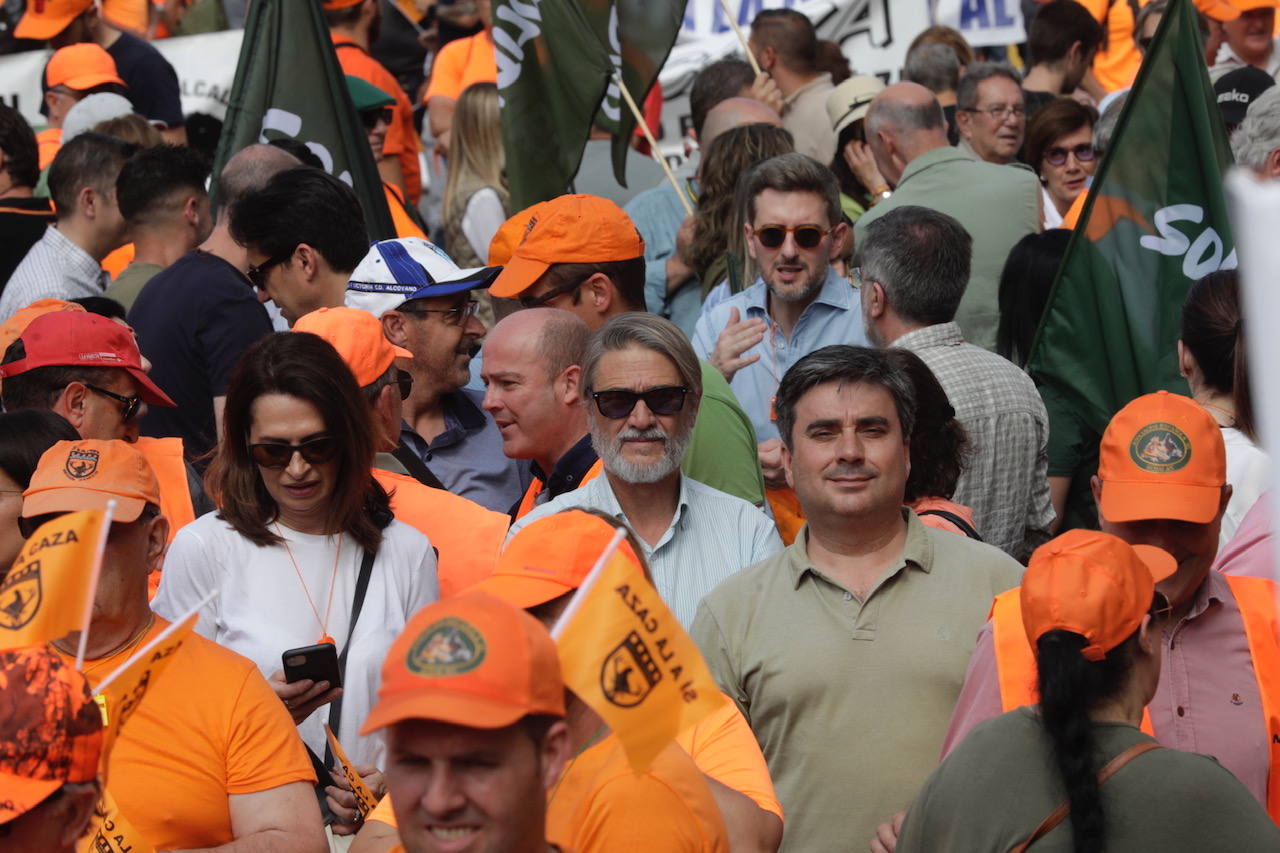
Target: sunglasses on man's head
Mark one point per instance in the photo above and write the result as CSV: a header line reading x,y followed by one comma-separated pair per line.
x,y
807,236
370,118
617,403
277,454
1057,156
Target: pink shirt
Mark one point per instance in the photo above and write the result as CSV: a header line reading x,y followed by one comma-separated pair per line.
x,y
1207,701
1250,553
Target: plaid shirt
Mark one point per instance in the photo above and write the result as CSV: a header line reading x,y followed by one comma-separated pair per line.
x,y
1006,483
55,267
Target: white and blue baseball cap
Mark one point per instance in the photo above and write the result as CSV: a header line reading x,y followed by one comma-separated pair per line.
x,y
396,271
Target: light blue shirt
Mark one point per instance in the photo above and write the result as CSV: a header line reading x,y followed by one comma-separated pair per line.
x,y
658,215
712,535
834,317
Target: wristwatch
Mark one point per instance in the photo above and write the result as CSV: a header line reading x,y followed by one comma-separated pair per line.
x,y
880,195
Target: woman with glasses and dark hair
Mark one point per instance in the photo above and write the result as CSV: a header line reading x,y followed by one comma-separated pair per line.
x,y
304,550
1076,772
1060,148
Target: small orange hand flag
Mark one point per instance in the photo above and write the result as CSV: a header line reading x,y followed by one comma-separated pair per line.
x,y
52,584
625,655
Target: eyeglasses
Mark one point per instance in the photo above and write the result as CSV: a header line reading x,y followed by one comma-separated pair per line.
x,y
457,316
128,405
807,236
1160,607
277,454
257,274
1057,156
370,118
404,380
1000,111
539,301
618,403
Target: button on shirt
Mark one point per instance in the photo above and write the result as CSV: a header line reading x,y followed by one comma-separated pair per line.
x,y
850,698
53,267
712,535
834,317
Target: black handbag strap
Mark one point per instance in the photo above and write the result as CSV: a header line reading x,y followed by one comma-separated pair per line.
x,y
965,527
417,469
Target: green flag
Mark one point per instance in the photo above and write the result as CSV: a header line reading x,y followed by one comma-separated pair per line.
x,y
289,85
1154,223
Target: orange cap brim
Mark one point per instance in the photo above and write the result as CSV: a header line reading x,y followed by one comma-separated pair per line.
x,y
1128,501
445,706
1218,10
74,500
517,276
522,591
44,27
1158,561
21,794
88,81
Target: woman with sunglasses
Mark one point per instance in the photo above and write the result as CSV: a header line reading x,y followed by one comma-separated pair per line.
x,y
1060,149
301,517
1076,772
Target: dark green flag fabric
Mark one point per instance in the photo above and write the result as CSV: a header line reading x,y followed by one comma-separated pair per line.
x,y
289,85
1154,223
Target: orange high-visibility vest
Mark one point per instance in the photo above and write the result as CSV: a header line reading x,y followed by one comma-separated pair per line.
x,y
1016,664
166,460
530,499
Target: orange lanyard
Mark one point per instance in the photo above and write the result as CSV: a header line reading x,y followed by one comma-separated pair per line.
x,y
333,577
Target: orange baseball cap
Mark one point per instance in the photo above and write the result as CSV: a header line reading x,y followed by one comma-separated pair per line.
x,y
1243,6
358,338
1092,584
85,474
550,557
470,660
1219,10
334,5
44,19
504,242
13,328
80,67
1162,456
570,229
51,733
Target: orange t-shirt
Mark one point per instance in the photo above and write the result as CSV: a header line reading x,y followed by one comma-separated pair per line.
x,y
1117,61
48,143
460,63
402,139
115,262
467,537
404,224
209,726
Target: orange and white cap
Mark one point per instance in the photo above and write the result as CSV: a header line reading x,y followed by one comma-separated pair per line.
x,y
1092,584
80,475
470,660
358,338
1162,456
50,731
570,229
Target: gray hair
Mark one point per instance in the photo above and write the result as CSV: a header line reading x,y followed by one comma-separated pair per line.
x,y
904,118
1106,126
1259,134
974,75
933,66
650,332
921,258
791,173
845,365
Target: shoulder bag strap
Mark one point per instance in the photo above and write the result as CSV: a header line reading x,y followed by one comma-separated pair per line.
x,y
1108,770
965,527
417,469
357,604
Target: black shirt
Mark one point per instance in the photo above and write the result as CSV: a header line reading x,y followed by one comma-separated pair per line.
x,y
194,319
22,223
569,471
153,84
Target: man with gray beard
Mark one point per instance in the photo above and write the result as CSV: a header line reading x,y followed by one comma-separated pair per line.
x,y
642,386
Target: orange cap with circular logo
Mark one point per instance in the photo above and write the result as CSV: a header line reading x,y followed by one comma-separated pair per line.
x,y
550,557
470,660
85,474
44,19
81,66
50,732
570,229
1092,584
358,338
1162,456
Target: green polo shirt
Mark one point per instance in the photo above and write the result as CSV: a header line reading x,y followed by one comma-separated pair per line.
x,y
722,446
850,699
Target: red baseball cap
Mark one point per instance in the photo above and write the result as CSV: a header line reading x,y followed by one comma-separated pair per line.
x,y
73,338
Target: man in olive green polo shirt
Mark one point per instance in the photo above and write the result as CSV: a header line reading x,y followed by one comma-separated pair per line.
x,y
846,652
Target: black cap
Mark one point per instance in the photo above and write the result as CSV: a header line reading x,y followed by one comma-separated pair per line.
x,y
1237,89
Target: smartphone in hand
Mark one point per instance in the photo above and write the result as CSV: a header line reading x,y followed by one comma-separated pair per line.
x,y
318,663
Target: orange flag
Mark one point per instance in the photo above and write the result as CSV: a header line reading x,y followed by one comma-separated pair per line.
x,y
625,655
110,831
48,591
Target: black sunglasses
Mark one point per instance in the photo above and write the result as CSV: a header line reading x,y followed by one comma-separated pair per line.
x,y
404,380
1058,156
370,118
807,236
617,403
539,301
277,454
128,405
257,274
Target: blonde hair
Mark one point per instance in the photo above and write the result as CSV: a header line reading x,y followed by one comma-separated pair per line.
x,y
476,155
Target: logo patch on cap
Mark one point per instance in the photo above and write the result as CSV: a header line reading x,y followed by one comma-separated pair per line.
x,y
81,464
20,596
1160,448
448,647
629,673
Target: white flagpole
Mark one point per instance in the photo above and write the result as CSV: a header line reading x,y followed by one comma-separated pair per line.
x,y
94,575
157,640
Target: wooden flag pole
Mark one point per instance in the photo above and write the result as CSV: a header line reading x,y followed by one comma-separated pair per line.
x,y
733,22
653,144
94,575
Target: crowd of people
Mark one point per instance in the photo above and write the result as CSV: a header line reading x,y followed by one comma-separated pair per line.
x,y
945,614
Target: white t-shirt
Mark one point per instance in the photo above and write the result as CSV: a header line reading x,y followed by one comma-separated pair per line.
x,y
261,610
1249,473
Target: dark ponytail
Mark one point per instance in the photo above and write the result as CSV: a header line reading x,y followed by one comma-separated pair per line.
x,y
1213,330
1070,687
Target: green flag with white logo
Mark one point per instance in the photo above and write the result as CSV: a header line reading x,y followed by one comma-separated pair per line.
x,y
288,84
1154,223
